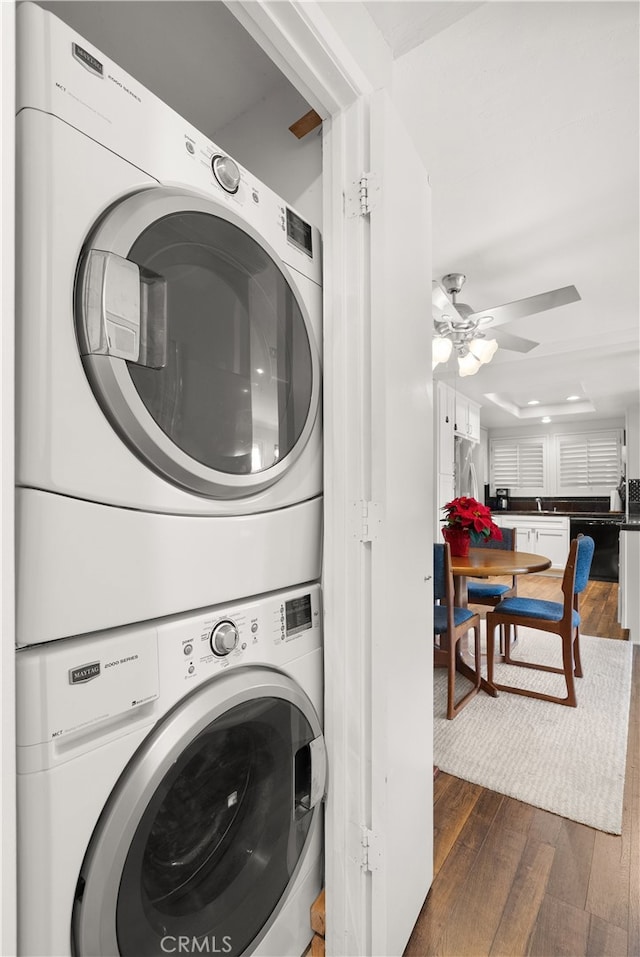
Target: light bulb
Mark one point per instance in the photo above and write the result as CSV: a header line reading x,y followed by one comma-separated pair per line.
x,y
441,349
483,349
468,365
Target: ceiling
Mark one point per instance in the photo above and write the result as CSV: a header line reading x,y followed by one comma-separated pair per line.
x,y
528,125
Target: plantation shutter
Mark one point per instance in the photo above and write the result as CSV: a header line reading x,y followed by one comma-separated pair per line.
x,y
589,462
519,464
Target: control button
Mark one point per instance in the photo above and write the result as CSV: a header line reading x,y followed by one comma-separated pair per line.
x,y
255,197
191,669
254,627
226,172
186,651
190,147
223,638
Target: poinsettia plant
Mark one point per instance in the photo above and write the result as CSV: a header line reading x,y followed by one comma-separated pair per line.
x,y
467,514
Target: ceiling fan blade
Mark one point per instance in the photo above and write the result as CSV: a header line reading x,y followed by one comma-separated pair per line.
x,y
442,305
515,343
530,306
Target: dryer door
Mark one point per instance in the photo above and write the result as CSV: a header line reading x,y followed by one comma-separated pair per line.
x,y
197,343
209,825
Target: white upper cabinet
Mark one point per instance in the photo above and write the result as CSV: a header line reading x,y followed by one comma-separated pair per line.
x,y
467,421
445,418
455,415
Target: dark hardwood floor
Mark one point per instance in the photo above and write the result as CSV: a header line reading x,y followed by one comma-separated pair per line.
x,y
514,880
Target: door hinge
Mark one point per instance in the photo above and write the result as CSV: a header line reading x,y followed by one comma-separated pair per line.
x,y
362,196
370,849
366,521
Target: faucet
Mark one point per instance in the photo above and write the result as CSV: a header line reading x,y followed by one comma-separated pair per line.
x,y
539,504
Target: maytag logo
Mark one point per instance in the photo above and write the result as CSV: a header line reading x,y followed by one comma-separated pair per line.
x,y
87,59
84,673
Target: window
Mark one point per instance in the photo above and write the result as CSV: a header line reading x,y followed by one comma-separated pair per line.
x,y
519,464
589,462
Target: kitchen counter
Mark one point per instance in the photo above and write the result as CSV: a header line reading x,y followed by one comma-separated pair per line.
x,y
631,524
531,513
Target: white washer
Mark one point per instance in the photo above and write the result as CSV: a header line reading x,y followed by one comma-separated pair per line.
x,y
168,342
170,784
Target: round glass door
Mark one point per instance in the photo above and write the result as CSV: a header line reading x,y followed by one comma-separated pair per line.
x,y
216,841
231,392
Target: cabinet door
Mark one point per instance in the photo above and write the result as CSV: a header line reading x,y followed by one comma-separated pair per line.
x,y
524,535
461,414
445,405
553,543
467,418
473,421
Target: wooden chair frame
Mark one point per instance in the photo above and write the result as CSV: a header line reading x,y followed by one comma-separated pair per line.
x,y
492,601
447,653
570,636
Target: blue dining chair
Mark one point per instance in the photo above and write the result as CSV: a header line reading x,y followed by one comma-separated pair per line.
x,y
450,625
556,618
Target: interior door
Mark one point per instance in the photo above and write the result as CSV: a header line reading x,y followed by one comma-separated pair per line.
x,y
402,485
378,554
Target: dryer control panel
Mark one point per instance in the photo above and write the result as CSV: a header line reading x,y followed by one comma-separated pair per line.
x,y
272,630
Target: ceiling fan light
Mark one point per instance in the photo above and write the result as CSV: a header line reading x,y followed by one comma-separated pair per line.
x,y
483,349
441,349
468,365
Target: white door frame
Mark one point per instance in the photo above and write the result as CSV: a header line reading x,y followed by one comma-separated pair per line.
x,y
7,492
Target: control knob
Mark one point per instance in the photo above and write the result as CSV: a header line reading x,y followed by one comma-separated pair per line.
x,y
226,172
224,638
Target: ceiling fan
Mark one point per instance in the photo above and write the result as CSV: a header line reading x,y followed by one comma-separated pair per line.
x,y
457,325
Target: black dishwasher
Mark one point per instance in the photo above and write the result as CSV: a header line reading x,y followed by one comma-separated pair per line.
x,y
606,534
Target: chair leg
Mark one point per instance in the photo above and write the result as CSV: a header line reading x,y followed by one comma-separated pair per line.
x,y
451,685
490,630
507,644
576,655
567,658
453,707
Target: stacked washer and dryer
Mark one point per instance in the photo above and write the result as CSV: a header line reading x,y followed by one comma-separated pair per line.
x,y
171,761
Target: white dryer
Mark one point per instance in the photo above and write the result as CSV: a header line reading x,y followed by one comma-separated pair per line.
x,y
168,343
170,784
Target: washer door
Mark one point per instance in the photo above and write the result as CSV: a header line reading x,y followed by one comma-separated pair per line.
x,y
210,822
196,343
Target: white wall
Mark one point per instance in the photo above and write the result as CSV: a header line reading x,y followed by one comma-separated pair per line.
x,y
363,40
260,140
554,428
633,442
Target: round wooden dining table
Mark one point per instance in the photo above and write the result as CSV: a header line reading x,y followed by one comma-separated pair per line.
x,y
491,563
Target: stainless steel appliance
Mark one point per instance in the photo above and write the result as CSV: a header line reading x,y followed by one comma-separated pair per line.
x,y
465,469
502,499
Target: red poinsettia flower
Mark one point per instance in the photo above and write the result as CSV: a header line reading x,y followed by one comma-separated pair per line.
x,y
467,513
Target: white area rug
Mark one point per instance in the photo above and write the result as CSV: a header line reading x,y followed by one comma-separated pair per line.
x,y
570,761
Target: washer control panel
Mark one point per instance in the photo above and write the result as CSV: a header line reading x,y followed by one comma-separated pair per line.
x,y
271,630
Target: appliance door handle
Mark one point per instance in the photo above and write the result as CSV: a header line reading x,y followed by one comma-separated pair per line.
x,y
474,480
123,309
311,774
